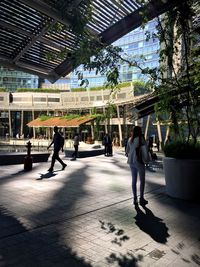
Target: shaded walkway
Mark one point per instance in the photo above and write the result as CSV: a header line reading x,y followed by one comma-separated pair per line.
x,y
84,216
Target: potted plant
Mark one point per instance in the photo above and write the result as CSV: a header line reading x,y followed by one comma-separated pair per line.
x,y
180,65
181,167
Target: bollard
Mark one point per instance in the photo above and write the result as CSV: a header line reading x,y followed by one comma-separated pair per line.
x,y
28,160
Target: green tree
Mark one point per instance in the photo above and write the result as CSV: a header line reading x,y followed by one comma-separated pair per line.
x,y
176,81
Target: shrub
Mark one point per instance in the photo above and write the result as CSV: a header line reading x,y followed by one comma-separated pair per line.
x,y
182,150
2,89
44,117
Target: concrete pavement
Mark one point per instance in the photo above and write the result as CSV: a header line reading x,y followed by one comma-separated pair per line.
x,y
84,216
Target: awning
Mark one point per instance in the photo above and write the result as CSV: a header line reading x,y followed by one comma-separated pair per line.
x,y
60,122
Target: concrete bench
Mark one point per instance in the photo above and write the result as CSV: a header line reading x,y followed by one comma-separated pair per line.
x,y
85,152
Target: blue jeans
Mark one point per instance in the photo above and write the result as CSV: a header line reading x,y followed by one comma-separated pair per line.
x,y
135,168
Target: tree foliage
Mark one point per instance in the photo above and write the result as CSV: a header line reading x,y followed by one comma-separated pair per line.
x,y
179,71
176,80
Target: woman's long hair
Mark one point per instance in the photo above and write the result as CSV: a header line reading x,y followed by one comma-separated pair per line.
x,y
136,132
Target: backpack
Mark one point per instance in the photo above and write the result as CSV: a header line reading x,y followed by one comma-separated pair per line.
x,y
61,140
142,154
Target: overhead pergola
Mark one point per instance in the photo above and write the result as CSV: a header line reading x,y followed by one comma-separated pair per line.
x,y
27,38
146,105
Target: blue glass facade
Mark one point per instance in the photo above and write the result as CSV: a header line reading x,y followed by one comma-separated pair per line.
x,y
134,45
12,79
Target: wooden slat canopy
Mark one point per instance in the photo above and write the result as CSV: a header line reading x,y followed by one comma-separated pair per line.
x,y
60,122
26,34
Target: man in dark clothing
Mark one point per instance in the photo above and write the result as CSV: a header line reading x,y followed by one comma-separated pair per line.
x,y
108,145
58,144
125,144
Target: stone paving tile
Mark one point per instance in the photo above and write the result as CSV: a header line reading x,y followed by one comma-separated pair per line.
x,y
84,217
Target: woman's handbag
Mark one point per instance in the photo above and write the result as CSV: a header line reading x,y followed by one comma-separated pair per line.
x,y
142,154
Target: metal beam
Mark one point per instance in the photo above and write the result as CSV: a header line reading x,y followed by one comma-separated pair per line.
x,y
6,62
153,9
50,11
8,26
120,6
11,27
46,10
35,38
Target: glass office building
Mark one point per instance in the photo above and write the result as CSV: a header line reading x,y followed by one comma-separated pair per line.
x,y
12,79
63,84
134,44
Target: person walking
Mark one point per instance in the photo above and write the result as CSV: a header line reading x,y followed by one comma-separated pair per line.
x,y
58,144
136,144
76,144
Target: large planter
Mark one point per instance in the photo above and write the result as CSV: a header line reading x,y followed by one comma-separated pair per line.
x,y
182,177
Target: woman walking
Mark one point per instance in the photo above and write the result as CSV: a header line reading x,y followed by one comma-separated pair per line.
x,y
136,151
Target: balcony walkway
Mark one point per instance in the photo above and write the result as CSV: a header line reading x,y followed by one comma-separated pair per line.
x,y
83,216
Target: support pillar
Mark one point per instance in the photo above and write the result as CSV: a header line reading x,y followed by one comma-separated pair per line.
x,y
92,130
105,122
22,123
33,117
132,88
119,126
10,123
167,133
159,132
147,127
125,133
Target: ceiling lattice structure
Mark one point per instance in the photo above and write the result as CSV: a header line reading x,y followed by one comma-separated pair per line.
x,y
27,38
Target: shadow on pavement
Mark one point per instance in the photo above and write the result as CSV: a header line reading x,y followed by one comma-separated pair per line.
x,y
128,260
152,225
119,237
46,175
21,245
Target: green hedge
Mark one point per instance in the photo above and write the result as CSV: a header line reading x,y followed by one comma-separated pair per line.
x,y
38,90
3,89
80,89
97,88
44,117
182,150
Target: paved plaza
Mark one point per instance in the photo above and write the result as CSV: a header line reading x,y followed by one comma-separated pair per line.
x,y
84,216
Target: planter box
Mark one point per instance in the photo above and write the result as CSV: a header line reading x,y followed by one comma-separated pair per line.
x,y
182,177
85,152
18,158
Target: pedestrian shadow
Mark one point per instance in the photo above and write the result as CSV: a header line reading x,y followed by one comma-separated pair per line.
x,y
46,175
19,172
152,225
